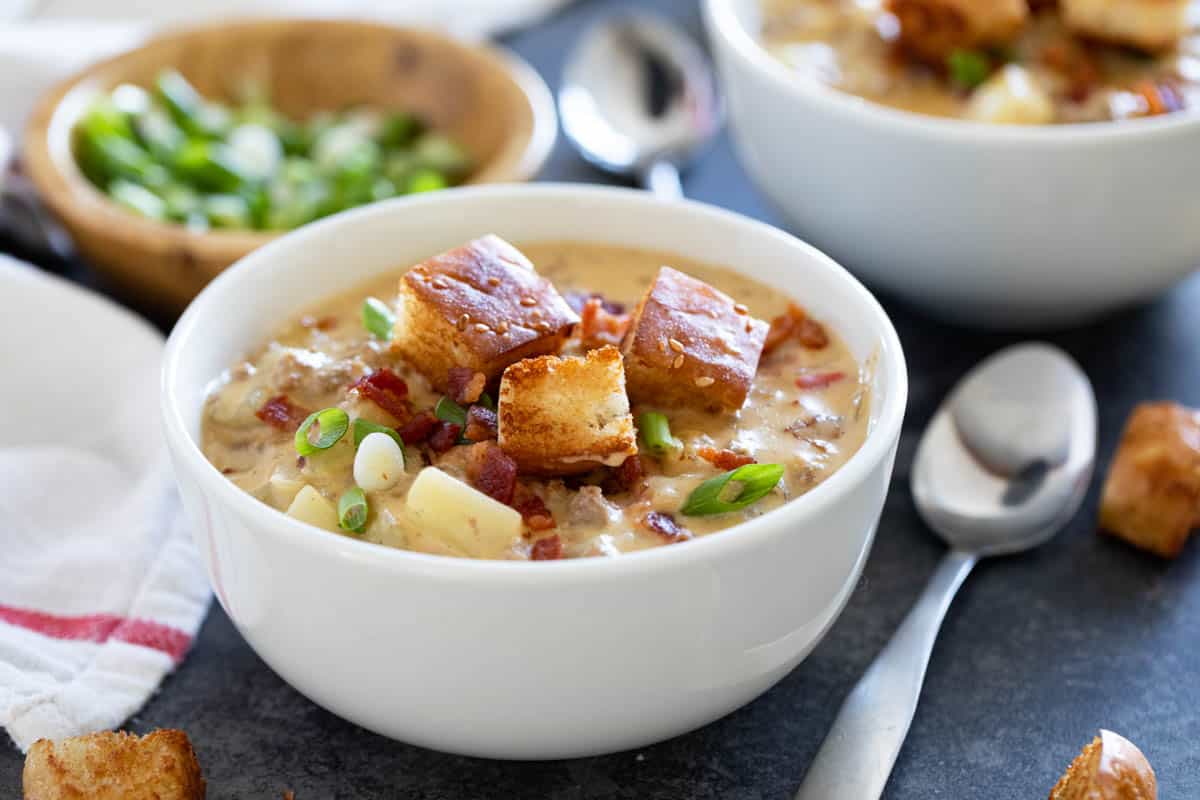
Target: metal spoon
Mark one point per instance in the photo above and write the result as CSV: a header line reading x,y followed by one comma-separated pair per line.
x,y
638,99
1003,465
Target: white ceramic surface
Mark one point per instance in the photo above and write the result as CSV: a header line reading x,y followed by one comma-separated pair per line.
x,y
527,659
5,154
996,226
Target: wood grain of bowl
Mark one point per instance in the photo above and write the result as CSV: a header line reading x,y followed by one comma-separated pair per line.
x,y
489,101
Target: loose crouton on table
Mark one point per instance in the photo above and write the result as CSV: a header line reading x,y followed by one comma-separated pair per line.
x,y
560,416
691,345
1151,498
479,306
114,766
933,29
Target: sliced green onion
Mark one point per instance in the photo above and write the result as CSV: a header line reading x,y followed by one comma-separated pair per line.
x,y
331,426
364,427
655,430
138,199
352,510
487,402
449,411
378,319
968,68
747,484
426,180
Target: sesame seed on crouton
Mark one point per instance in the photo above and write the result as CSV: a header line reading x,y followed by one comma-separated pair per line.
x,y
480,306
114,766
691,345
561,416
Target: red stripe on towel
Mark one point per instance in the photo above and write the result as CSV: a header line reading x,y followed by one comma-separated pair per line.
x,y
100,628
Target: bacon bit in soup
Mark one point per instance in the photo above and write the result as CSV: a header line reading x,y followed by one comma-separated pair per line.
x,y
818,380
1077,66
548,549
666,526
598,326
419,428
796,322
279,412
578,301
387,390
629,475
465,385
327,323
533,509
481,424
492,472
445,436
724,459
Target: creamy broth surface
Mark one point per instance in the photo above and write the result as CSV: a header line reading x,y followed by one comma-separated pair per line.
x,y
316,356
854,45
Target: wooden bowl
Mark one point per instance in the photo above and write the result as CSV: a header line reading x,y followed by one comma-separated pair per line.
x,y
489,101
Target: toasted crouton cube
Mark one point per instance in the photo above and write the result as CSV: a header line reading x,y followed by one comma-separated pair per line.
x,y
932,29
480,306
1151,498
560,416
1147,24
114,766
691,345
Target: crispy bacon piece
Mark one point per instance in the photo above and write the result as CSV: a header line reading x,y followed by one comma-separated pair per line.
x,y
578,300
548,549
818,380
598,326
482,424
796,322
533,509
419,428
629,475
387,390
492,472
666,526
325,323
1076,64
724,459
279,412
445,435
464,385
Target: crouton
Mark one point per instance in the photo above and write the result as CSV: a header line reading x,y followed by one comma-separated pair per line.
x,y
560,416
114,766
1110,768
933,29
691,345
480,306
1151,498
1151,25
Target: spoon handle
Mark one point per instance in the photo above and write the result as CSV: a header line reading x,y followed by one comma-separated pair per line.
x,y
662,179
856,758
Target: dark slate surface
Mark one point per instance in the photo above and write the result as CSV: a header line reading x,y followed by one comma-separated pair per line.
x,y
1037,653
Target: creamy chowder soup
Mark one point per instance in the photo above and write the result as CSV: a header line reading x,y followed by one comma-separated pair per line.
x,y
554,454
1001,61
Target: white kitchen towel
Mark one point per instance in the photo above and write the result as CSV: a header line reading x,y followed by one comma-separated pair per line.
x,y
43,41
101,590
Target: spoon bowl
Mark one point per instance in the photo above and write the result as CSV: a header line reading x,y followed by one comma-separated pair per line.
x,y
639,100
1003,465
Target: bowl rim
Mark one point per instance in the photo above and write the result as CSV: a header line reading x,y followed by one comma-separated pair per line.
x,y
75,194
837,487
724,25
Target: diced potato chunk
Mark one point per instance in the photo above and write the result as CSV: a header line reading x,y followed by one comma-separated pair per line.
x,y
466,519
311,507
1011,97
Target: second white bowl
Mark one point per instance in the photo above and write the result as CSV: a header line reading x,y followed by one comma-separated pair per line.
x,y
998,226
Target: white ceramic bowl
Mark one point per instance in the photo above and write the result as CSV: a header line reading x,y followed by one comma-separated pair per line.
x,y
527,660
990,225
